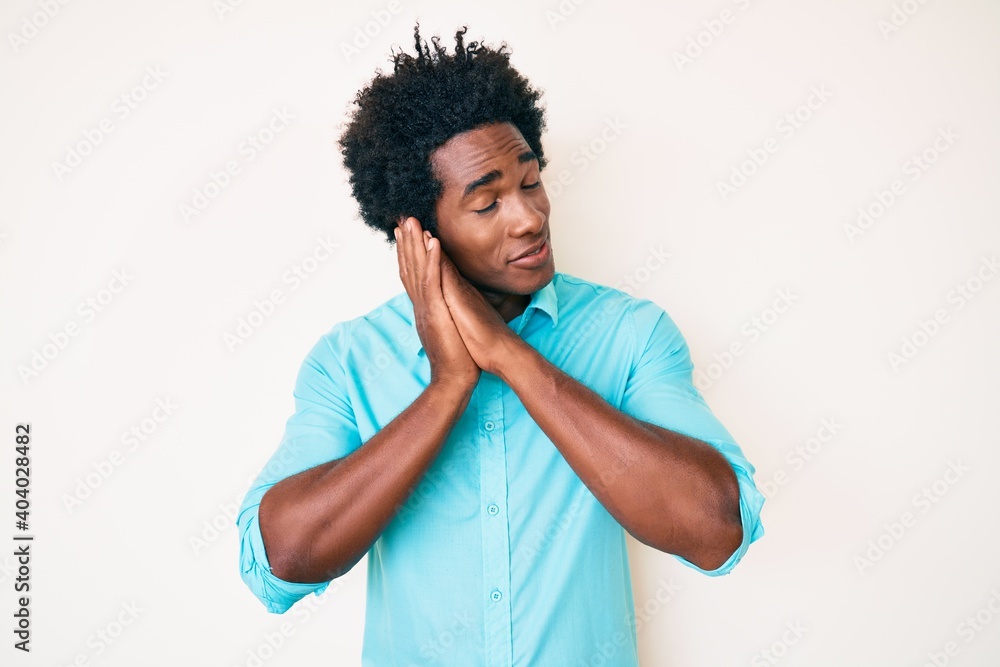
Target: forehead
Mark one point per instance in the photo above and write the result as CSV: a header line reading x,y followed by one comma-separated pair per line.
x,y
468,155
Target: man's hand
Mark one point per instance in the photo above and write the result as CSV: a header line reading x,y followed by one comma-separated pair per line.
x,y
486,335
419,257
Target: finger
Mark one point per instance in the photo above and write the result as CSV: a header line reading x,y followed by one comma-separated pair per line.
x,y
413,252
417,249
410,269
449,273
401,256
434,270
434,278
449,280
416,255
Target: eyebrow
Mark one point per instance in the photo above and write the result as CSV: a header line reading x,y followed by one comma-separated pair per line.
x,y
486,179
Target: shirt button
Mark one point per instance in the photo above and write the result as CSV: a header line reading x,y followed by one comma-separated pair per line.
x,y
489,426
493,509
496,595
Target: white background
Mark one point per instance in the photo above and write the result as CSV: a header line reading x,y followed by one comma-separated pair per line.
x,y
685,127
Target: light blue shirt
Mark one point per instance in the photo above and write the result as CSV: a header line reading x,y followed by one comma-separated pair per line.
x,y
501,556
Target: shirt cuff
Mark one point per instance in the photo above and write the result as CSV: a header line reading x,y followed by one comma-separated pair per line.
x,y
751,501
277,594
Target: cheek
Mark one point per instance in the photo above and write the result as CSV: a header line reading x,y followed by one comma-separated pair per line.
x,y
471,256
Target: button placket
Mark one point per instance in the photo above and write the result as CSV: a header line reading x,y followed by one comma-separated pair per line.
x,y
496,542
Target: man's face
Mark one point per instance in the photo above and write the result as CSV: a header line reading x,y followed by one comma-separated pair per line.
x,y
493,209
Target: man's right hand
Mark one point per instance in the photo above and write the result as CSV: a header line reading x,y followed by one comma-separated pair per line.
x,y
319,523
419,257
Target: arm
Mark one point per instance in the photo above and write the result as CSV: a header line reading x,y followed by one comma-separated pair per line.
x,y
317,524
662,465
669,491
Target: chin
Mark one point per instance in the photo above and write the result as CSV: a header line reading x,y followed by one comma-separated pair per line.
x,y
529,283
518,281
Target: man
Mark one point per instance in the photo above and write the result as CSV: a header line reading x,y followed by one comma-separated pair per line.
x,y
487,436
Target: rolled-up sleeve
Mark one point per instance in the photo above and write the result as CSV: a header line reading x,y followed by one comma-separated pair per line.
x,y
323,428
660,391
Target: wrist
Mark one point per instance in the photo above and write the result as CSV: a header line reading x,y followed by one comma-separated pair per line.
x,y
511,358
452,389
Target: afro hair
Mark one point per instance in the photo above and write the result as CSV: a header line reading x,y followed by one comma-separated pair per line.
x,y
399,120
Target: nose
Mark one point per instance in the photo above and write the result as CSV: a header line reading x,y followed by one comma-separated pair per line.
x,y
530,214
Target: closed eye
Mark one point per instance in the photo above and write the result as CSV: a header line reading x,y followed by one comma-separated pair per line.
x,y
492,206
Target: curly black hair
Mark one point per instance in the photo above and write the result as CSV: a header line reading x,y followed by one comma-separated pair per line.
x,y
399,120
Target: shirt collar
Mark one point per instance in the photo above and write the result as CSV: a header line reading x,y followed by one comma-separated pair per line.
x,y
544,300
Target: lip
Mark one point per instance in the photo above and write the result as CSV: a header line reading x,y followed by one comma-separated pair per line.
x,y
534,261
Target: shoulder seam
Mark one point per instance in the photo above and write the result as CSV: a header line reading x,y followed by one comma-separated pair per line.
x,y
597,287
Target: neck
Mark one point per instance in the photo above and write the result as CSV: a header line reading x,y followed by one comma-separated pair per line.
x,y
508,305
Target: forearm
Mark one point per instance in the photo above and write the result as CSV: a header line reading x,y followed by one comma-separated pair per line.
x,y
669,491
317,524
